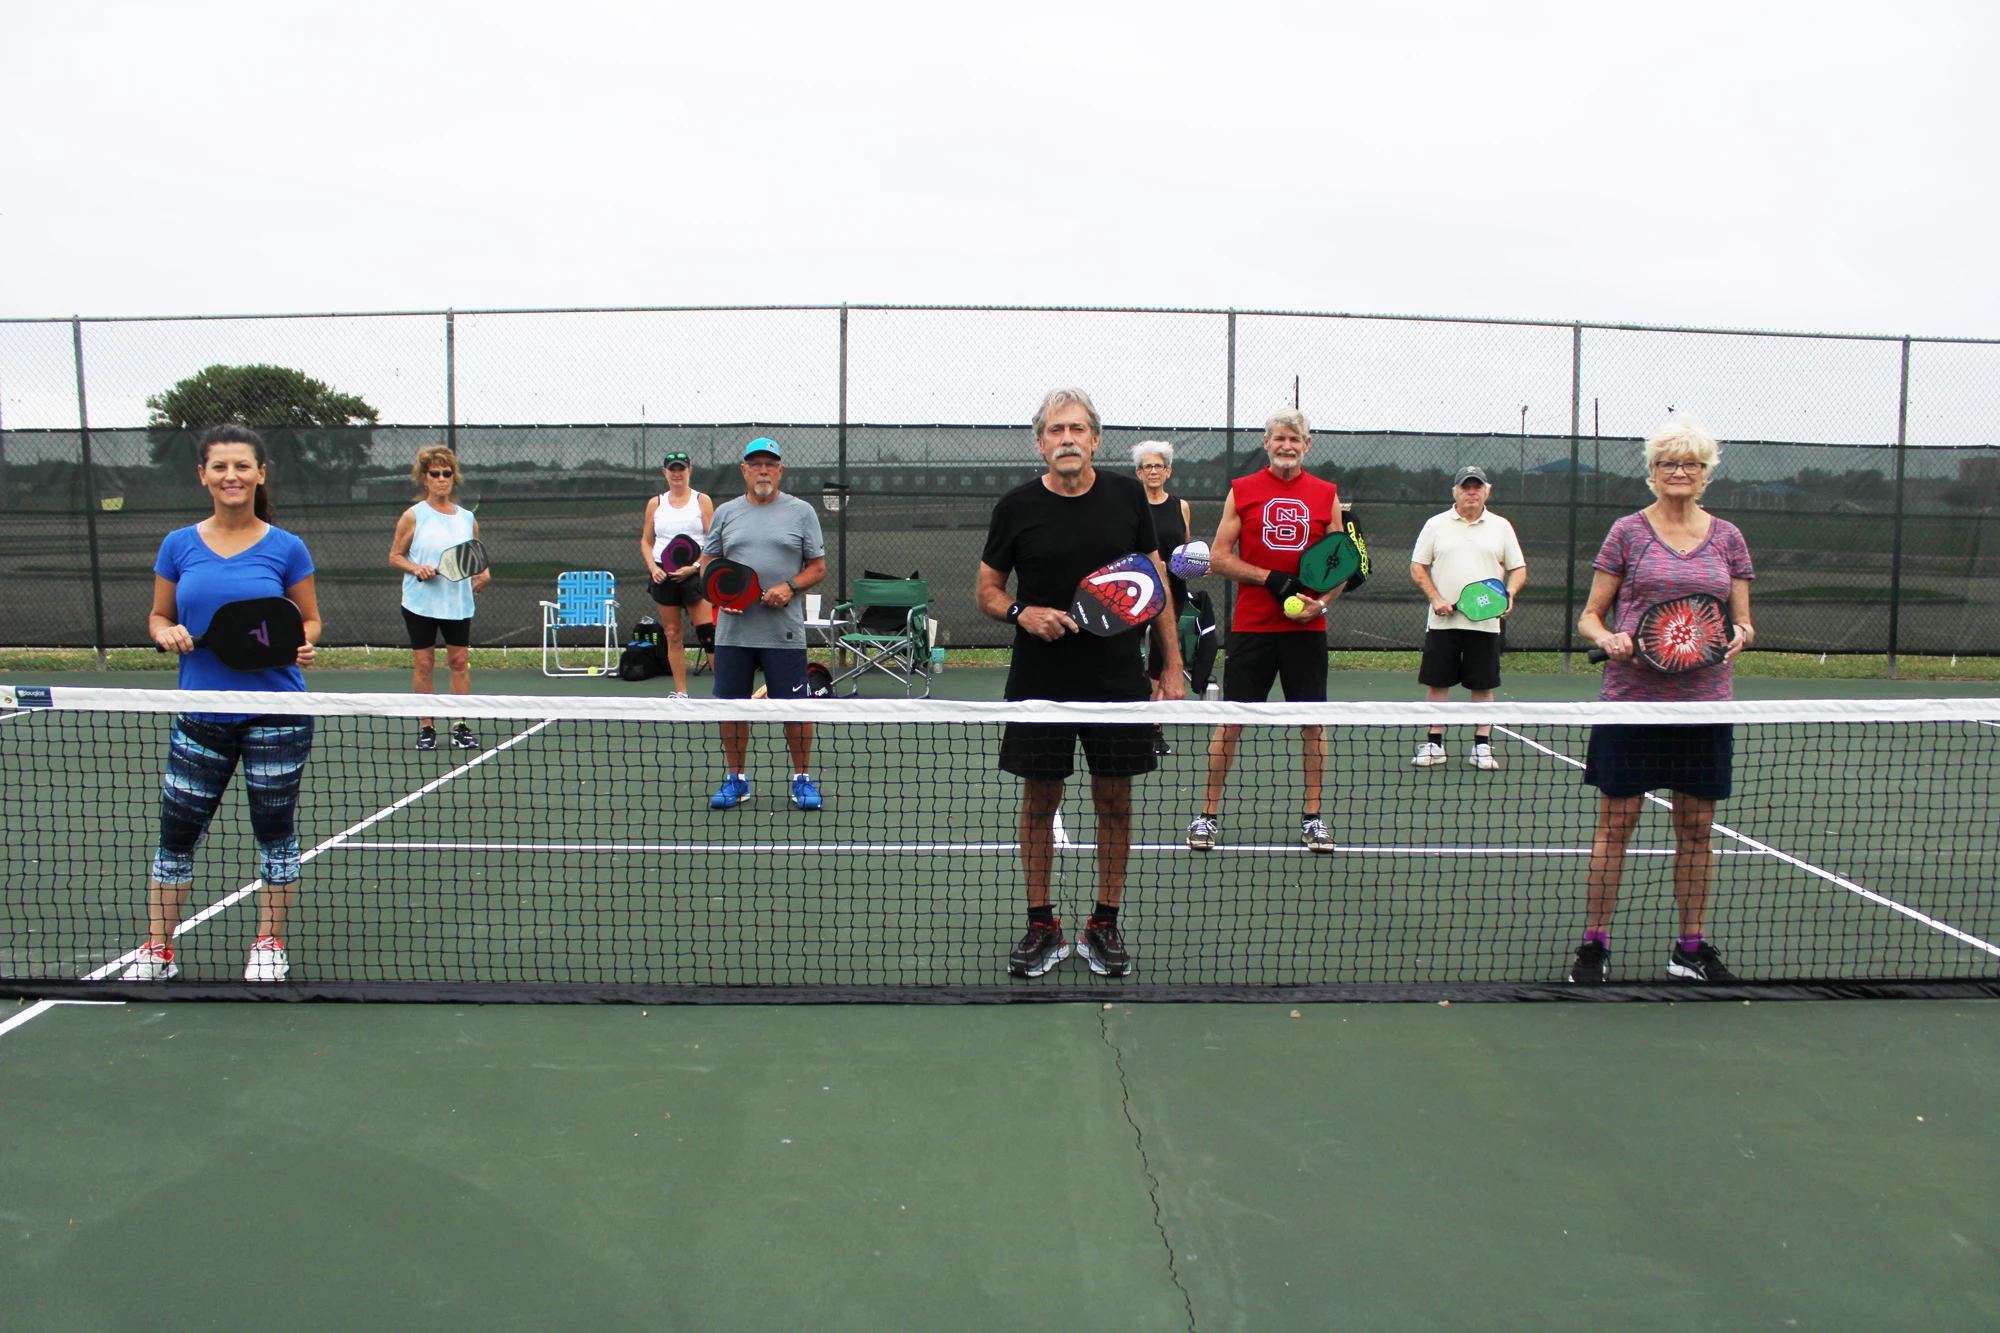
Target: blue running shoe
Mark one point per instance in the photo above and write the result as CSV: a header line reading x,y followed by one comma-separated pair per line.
x,y
735,790
805,792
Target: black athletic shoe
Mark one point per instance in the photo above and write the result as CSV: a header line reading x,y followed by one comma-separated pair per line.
x,y
462,737
1103,948
1039,950
1160,745
1704,964
427,738
1592,966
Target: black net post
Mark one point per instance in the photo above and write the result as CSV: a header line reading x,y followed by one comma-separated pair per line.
x,y
1896,541
1569,547
841,445
450,383
1229,462
89,500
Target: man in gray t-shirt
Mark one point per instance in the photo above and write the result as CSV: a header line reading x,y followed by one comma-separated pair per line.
x,y
778,536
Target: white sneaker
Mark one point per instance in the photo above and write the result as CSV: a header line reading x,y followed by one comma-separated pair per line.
x,y
1429,753
1201,832
1482,756
267,960
155,963
1313,833
678,694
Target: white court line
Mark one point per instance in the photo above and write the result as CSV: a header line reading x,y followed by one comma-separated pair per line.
x,y
228,901
1764,848
862,848
1062,833
40,1007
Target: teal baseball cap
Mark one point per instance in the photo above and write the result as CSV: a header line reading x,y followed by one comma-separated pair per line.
x,y
763,445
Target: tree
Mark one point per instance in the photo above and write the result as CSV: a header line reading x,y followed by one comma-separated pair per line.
x,y
303,419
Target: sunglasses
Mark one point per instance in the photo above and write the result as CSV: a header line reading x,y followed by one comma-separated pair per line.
x,y
435,472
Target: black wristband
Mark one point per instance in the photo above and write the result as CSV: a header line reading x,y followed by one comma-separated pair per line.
x,y
1282,585
1014,614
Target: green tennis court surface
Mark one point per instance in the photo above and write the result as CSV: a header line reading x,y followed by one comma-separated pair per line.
x,y
1815,1166
1172,1166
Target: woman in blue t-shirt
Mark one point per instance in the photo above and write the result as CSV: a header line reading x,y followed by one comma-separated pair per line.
x,y
233,554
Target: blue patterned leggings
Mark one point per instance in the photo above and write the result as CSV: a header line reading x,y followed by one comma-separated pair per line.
x,y
201,756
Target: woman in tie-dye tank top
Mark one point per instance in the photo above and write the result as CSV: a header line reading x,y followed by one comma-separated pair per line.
x,y
1671,548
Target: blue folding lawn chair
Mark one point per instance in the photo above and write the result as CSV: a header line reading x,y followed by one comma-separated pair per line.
x,y
584,600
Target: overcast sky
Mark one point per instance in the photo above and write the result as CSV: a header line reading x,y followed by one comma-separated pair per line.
x,y
1786,165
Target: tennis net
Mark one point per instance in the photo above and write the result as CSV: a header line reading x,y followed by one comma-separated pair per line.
x,y
576,855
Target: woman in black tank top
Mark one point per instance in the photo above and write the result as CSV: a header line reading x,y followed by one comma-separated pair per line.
x,y
1153,460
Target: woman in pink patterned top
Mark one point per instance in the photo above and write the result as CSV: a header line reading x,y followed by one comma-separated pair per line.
x,y
1671,548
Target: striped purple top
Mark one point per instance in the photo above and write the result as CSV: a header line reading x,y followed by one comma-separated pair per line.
x,y
1653,572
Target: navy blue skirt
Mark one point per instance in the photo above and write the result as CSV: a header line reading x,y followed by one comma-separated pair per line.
x,y
1633,760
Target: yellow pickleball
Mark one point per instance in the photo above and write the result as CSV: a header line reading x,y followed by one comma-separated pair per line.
x,y
1295,605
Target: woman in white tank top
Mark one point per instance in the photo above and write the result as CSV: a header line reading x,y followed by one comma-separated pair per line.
x,y
434,607
680,510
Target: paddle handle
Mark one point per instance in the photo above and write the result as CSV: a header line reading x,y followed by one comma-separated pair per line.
x,y
1597,655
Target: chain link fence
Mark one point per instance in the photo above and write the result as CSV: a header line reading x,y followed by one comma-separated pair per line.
x,y
1865,471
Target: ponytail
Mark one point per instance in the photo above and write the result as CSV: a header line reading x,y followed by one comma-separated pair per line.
x,y
260,504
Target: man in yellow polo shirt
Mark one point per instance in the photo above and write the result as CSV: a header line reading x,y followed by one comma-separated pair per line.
x,y
1465,544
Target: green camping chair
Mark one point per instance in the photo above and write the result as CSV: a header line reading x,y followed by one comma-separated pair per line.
x,y
888,631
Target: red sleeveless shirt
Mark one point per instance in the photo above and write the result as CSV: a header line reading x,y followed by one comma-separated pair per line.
x,y
1280,520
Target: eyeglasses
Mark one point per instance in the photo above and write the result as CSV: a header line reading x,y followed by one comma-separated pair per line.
x,y
1152,467
434,472
1690,469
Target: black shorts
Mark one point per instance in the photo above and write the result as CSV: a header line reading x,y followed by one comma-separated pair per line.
x,y
424,630
1628,761
672,592
1468,657
1257,658
1046,751
736,666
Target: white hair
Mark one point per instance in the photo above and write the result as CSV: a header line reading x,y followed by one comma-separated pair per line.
x,y
1144,448
1057,399
1682,442
1294,419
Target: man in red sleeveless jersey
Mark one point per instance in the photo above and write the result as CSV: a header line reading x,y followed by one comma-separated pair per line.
x,y
1271,517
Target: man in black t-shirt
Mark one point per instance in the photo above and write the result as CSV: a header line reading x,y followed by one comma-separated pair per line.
x,y
1048,534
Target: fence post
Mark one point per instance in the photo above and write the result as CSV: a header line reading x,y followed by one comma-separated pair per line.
x,y
450,383
1229,468
842,438
89,500
1896,537
1569,548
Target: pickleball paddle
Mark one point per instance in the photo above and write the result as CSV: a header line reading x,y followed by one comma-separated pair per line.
x,y
1681,634
255,634
731,585
1118,597
682,550
1483,600
462,561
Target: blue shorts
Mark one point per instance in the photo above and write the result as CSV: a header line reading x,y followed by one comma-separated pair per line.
x,y
201,757
784,671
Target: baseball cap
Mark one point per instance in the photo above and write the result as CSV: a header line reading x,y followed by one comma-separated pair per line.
x,y
677,456
1466,474
762,445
